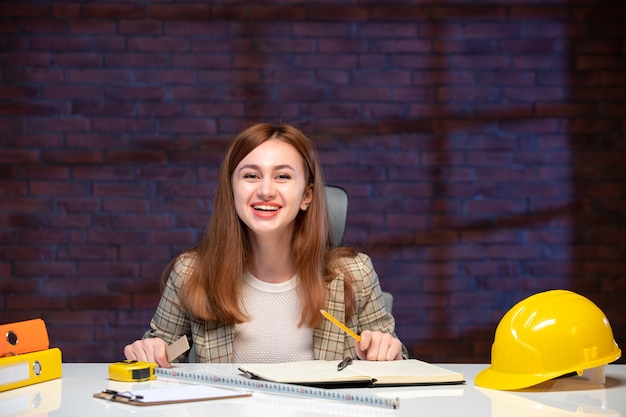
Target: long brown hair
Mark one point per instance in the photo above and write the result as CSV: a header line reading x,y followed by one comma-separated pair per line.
x,y
212,290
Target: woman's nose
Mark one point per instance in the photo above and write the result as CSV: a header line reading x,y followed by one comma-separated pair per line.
x,y
266,189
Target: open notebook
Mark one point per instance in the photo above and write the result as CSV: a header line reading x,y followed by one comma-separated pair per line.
x,y
359,373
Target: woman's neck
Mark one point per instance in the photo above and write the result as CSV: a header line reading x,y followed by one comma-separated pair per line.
x,y
272,259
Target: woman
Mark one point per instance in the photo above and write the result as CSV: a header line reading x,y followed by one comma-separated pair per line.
x,y
252,289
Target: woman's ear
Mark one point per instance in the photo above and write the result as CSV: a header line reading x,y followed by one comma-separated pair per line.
x,y
307,197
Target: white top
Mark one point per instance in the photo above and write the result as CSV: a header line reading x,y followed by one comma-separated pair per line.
x,y
272,335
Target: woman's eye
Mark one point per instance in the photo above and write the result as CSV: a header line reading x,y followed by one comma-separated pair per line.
x,y
250,176
283,177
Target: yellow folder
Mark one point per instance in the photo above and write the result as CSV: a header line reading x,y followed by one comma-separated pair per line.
x,y
29,368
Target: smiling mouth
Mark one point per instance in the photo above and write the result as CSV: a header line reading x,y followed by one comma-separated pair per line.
x,y
262,207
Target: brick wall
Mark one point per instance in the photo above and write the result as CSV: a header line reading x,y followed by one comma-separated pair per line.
x,y
482,144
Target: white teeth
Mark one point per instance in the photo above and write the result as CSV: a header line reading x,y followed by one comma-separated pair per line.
x,y
266,208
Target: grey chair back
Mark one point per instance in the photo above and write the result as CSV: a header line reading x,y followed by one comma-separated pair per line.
x,y
337,206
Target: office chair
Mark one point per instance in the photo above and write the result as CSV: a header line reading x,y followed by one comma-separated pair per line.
x,y
337,206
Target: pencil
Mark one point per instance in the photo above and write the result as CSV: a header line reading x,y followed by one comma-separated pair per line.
x,y
341,325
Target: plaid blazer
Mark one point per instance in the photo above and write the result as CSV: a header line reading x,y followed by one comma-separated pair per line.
x,y
213,342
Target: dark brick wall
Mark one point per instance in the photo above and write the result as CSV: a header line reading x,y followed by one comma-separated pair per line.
x,y
482,144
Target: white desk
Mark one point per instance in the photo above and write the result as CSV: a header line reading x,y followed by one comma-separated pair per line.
x,y
72,396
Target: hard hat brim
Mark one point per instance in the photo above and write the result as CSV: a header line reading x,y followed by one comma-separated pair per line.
x,y
488,378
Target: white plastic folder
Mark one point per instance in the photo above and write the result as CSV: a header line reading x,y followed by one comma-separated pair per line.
x,y
169,395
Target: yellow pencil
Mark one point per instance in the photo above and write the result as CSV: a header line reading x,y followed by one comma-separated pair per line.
x,y
340,325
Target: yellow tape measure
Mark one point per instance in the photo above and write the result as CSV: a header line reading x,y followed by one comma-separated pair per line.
x,y
132,371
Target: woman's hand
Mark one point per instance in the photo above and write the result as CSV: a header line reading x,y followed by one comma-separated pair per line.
x,y
378,346
148,350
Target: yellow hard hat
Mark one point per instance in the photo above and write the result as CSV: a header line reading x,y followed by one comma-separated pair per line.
x,y
547,335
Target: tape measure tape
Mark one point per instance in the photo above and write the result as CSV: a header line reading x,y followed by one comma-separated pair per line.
x,y
132,371
278,388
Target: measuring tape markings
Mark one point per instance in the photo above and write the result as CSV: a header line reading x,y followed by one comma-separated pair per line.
x,y
275,387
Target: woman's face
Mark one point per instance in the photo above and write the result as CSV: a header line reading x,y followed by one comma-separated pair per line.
x,y
270,188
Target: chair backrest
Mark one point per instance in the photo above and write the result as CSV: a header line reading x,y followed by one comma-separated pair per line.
x,y
337,206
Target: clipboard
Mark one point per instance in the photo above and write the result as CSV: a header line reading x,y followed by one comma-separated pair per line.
x,y
170,395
